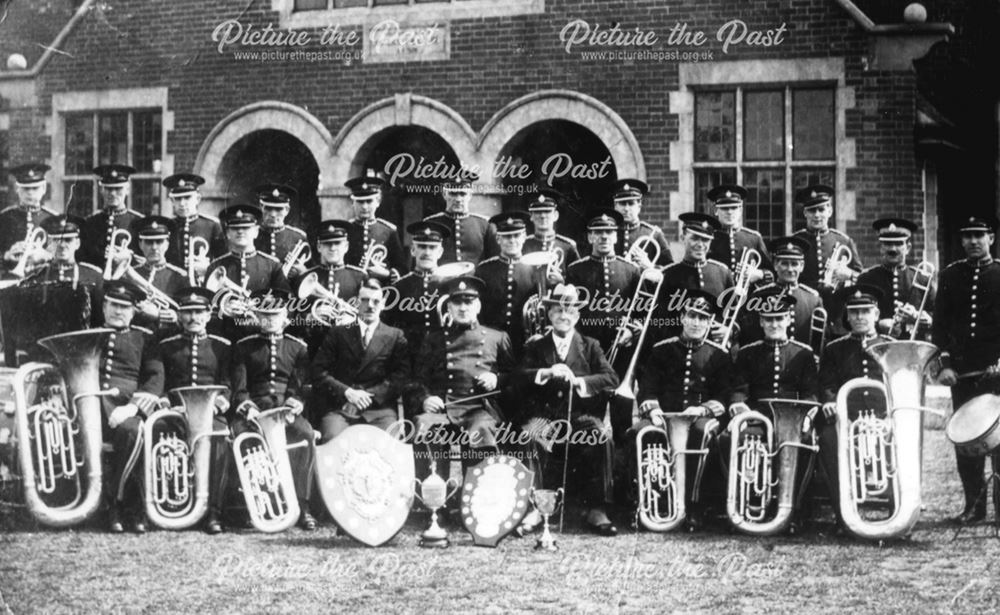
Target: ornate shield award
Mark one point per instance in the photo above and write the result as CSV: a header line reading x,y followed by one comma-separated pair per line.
x,y
495,498
366,478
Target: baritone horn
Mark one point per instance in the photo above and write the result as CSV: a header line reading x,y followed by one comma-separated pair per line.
x,y
310,287
197,250
298,256
879,453
762,459
266,474
59,432
177,448
661,455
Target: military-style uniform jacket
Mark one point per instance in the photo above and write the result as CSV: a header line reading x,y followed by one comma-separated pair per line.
x,y
710,276
166,277
967,314
509,283
896,284
278,242
571,253
195,360
268,370
97,230
728,246
472,238
628,235
449,362
411,304
128,363
806,300
199,225
768,369
845,358
681,373
610,283
363,233
16,221
258,270
84,273
821,247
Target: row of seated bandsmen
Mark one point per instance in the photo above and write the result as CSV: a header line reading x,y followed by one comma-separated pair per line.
x,y
455,337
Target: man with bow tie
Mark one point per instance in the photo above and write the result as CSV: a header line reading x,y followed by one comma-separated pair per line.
x,y
360,369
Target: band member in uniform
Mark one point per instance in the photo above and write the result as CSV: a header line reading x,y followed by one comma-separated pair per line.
x,y
154,233
463,360
367,230
277,238
18,221
361,368
189,223
97,231
544,210
688,374
900,300
64,242
733,239
966,328
844,359
195,358
695,271
607,280
412,302
628,202
817,206
789,256
128,364
509,282
270,369
244,265
471,238
561,363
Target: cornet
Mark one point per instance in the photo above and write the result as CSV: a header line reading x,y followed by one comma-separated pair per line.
x,y
311,288
120,240
154,294
374,257
194,254
298,256
641,248
33,242
839,258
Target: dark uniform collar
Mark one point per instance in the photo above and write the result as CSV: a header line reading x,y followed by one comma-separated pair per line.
x,y
546,237
457,216
602,259
190,218
789,285
423,274
778,343
693,263
247,254
892,268
508,260
30,210
273,229
274,337
156,267
457,328
820,233
114,212
197,337
986,260
363,221
632,227
690,343
867,337
333,267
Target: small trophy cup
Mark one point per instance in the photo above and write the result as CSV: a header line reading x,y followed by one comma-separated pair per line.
x,y
546,501
433,494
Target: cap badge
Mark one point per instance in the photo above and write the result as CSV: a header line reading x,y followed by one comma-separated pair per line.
x,y
114,173
729,194
275,192
462,286
182,184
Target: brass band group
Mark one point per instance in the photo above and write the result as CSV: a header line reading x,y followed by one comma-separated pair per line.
x,y
215,355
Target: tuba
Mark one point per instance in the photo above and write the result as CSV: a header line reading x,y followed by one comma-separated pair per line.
x,y
265,473
752,475
879,458
62,440
177,464
661,457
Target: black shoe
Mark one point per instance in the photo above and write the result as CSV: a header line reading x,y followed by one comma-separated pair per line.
x,y
212,526
971,514
114,522
307,522
140,524
598,522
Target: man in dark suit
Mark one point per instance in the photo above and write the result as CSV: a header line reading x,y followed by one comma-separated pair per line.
x,y
359,370
557,366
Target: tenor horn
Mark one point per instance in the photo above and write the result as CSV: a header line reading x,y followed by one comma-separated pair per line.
x,y
759,462
879,457
661,457
374,257
120,239
62,440
266,474
310,287
178,460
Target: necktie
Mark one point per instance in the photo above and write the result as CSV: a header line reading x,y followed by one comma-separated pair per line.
x,y
366,336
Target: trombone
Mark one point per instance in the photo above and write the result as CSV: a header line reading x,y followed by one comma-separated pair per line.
x,y
194,254
817,332
649,276
298,256
748,266
927,270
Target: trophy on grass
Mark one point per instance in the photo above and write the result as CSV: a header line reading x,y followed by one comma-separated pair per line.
x,y
433,494
547,501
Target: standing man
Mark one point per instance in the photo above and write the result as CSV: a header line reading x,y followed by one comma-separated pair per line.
x,y
195,358
270,369
967,330
98,229
733,239
628,202
817,207
64,241
367,231
360,369
189,223
899,299
789,256
154,233
276,238
544,210
470,236
18,221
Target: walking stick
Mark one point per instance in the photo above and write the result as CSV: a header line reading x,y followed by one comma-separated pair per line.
x,y
569,429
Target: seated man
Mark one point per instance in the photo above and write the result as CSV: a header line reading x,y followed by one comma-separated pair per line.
x,y
360,368
557,367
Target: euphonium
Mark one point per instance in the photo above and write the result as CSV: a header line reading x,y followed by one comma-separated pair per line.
x,y
840,257
881,457
173,459
662,477
310,287
298,256
752,475
48,453
265,473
